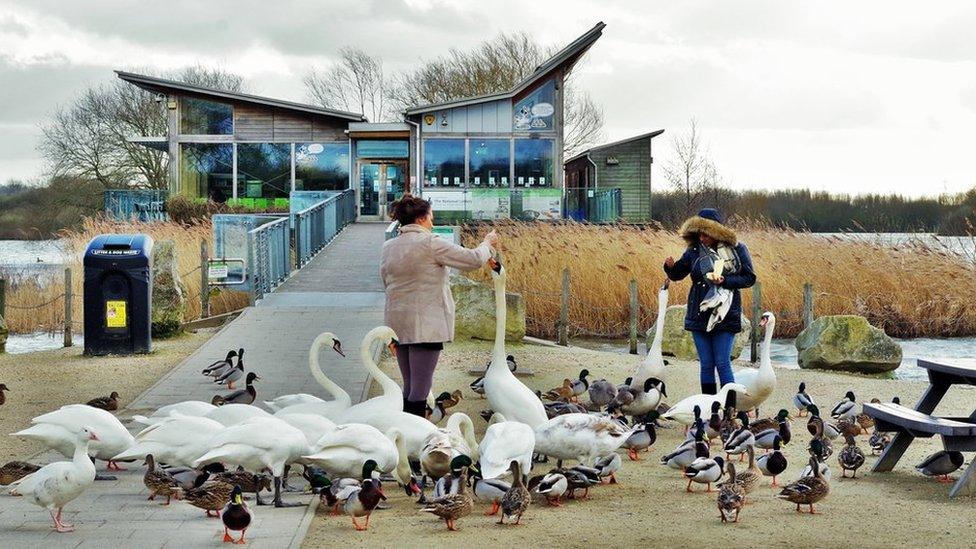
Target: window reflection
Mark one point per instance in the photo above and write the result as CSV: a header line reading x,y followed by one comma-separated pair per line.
x,y
489,163
533,162
321,166
203,117
444,162
206,170
263,170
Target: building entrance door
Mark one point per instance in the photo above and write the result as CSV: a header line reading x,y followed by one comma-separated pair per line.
x,y
380,183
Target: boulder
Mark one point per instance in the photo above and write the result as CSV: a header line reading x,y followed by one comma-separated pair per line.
x,y
848,343
3,335
678,342
168,292
475,308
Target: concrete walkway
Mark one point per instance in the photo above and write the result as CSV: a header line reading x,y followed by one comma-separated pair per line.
x,y
339,291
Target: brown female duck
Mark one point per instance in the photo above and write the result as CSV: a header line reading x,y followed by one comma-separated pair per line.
x,y
159,482
454,506
13,471
517,499
212,496
807,490
108,403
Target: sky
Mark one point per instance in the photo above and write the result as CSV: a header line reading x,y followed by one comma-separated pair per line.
x,y
847,97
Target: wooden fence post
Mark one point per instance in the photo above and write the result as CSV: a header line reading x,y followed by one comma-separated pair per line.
x,y
204,279
754,321
68,294
808,317
633,316
3,298
563,332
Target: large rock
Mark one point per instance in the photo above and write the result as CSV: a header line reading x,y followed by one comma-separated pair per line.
x,y
168,293
678,342
3,335
475,307
849,343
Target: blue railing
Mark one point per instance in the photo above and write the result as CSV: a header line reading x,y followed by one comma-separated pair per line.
x,y
318,224
136,204
268,256
606,206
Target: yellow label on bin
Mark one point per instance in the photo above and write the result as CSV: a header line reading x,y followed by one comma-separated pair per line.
x,y
115,314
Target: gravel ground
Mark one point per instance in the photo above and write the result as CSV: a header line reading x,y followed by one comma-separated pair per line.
x,y
650,506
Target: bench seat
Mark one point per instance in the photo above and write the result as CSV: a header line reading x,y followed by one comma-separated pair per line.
x,y
893,417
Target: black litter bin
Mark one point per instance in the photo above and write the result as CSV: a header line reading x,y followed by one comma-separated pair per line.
x,y
118,294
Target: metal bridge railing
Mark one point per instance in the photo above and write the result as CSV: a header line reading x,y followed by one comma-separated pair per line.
x,y
318,224
268,256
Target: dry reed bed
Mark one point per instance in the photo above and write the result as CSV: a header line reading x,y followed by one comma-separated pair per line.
x,y
35,305
911,290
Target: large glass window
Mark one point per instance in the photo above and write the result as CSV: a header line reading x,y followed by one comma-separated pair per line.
x,y
321,166
383,148
535,112
533,162
263,170
206,170
203,117
489,162
444,162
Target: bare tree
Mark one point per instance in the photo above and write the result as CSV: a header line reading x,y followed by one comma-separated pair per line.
x,y
690,170
496,65
355,83
89,138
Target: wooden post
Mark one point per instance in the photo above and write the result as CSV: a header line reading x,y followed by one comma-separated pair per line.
x,y
67,307
204,279
808,317
633,316
754,321
3,298
563,331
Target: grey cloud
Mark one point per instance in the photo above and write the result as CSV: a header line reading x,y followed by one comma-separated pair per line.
x,y
30,93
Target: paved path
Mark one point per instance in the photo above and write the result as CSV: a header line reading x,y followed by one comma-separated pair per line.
x,y
338,291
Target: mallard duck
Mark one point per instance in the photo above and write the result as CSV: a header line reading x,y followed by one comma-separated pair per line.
x,y
159,482
864,420
13,471
731,497
850,457
3,397
752,476
829,430
759,382
488,490
211,496
601,393
801,400
817,449
608,465
454,506
643,437
705,471
682,412
337,492
581,384
846,408
740,439
823,448
447,485
108,403
230,375
635,401
878,441
729,415
362,501
848,426
249,482
439,411
220,365
562,393
552,487
764,438
560,408
190,478
807,490
316,477
236,517
517,499
774,422
774,463
941,464
240,396
713,428
688,451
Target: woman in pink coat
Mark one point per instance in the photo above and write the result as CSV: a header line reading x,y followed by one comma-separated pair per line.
x,y
419,306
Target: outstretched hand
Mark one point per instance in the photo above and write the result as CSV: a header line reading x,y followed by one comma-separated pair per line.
x,y
669,262
492,239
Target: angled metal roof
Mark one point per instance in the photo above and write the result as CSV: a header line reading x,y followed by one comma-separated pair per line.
x,y
156,84
574,49
651,135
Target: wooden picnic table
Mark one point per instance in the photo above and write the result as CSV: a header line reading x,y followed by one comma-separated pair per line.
x,y
958,433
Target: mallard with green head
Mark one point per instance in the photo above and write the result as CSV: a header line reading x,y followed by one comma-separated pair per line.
x,y
362,502
454,506
236,517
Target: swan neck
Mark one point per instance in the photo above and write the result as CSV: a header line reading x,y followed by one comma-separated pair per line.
x,y
765,359
662,311
390,387
403,463
501,311
315,367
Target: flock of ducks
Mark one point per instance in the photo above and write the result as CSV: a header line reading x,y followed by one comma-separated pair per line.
x,y
210,454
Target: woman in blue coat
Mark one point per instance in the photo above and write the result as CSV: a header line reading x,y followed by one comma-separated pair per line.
x,y
714,304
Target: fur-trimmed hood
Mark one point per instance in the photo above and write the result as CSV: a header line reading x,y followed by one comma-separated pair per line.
x,y
699,225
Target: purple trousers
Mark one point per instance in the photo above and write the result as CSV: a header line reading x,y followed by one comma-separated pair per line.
x,y
417,363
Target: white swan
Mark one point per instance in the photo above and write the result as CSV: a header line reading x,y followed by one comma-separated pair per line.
x,y
232,414
176,441
506,441
313,426
185,408
59,430
58,483
506,394
342,452
443,445
579,436
759,382
653,363
684,411
257,444
392,398
340,398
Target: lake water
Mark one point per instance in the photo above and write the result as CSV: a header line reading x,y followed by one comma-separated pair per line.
x,y
31,258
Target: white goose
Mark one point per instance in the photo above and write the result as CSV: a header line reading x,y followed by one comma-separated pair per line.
x,y
342,452
653,364
443,445
392,398
504,442
309,404
176,441
759,382
58,483
185,408
257,444
59,430
583,437
506,394
684,411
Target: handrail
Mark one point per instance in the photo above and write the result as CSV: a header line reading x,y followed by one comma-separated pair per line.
x,y
318,224
269,256
392,230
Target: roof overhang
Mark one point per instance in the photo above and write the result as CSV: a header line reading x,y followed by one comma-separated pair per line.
x,y
152,142
648,135
166,86
379,129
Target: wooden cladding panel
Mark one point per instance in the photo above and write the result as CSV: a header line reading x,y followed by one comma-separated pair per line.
x,y
256,123
253,123
326,130
292,127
